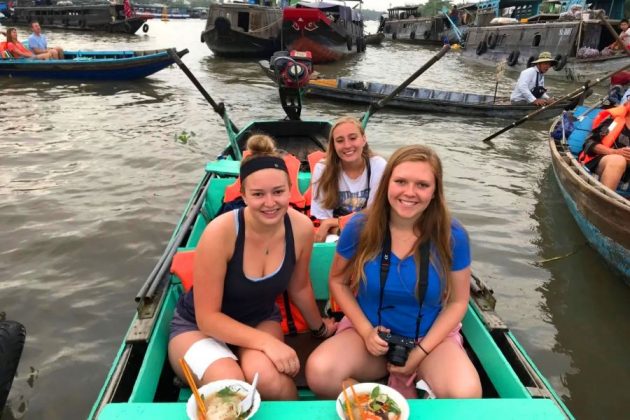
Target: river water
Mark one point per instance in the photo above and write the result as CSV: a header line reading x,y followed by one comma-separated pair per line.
x,y
93,177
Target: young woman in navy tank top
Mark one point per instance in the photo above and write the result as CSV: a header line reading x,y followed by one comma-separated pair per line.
x,y
228,326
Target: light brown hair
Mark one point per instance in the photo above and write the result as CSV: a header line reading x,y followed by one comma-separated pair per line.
x,y
328,183
433,224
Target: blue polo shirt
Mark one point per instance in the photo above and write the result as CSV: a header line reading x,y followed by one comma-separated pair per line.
x,y
39,42
399,295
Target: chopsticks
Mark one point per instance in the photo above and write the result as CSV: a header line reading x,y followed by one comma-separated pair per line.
x,y
201,406
354,395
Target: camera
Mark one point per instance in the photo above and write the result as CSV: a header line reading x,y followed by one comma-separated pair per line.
x,y
399,347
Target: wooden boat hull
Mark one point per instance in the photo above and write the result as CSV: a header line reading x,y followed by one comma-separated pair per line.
x,y
140,383
92,65
374,39
306,29
229,34
104,17
424,100
490,45
601,214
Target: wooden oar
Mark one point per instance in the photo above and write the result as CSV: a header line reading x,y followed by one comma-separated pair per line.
x,y
375,106
218,108
571,95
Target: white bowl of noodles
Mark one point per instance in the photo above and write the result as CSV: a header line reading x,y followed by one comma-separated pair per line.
x,y
222,399
375,399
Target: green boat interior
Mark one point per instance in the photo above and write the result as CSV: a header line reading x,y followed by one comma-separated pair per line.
x,y
141,382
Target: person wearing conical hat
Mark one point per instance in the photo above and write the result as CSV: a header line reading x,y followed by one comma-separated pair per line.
x,y
530,87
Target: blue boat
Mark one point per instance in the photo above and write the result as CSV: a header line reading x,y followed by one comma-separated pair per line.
x,y
92,65
601,213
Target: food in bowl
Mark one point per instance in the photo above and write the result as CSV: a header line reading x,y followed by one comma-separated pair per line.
x,y
224,404
374,405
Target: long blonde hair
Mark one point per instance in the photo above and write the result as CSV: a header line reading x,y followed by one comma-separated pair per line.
x,y
434,223
328,183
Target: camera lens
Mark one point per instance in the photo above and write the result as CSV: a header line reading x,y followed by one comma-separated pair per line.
x,y
397,354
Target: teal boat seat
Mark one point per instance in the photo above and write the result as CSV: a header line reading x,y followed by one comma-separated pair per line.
x,y
582,129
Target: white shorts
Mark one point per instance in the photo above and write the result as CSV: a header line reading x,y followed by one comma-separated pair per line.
x,y
204,353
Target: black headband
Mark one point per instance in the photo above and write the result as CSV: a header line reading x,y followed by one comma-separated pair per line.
x,y
262,162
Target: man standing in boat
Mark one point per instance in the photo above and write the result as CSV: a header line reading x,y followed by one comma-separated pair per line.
x,y
530,87
38,43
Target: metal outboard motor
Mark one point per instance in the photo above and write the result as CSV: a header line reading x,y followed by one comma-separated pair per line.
x,y
292,70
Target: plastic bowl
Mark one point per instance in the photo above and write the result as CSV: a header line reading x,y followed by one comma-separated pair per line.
x,y
216,386
367,387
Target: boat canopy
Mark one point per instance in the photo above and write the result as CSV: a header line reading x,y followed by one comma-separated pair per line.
x,y
344,12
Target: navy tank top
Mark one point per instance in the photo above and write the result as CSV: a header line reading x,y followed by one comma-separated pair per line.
x,y
249,301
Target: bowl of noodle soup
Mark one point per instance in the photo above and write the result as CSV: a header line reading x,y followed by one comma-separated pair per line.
x,y
372,401
222,399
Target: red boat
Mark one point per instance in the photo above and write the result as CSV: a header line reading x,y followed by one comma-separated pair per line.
x,y
330,31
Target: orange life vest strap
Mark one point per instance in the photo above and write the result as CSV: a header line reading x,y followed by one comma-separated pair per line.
x,y
618,114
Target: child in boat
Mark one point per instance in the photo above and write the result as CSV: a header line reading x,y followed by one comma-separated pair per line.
x,y
228,325
38,43
18,50
407,225
345,181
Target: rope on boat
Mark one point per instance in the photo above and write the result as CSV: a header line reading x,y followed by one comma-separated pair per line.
x,y
265,27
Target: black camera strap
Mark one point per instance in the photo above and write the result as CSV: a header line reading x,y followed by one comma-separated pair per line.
x,y
423,276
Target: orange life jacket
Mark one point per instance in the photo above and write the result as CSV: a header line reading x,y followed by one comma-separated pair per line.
x,y
233,191
618,114
17,47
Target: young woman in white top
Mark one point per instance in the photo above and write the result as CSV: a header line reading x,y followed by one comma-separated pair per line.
x,y
346,180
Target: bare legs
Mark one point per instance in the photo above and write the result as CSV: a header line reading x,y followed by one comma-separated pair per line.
x,y
610,170
447,370
272,384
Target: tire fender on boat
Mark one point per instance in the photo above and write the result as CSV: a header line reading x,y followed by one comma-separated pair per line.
x,y
12,336
394,36
513,58
145,29
412,35
426,34
530,60
360,45
561,62
482,47
349,42
493,38
82,23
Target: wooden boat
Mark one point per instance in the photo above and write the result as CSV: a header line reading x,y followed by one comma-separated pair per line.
x,y
92,65
406,24
141,383
374,39
575,44
601,214
329,31
12,337
424,100
96,17
242,30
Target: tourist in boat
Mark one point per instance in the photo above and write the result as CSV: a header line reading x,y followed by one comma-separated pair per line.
x,y
18,50
409,212
228,326
346,180
530,87
606,151
38,43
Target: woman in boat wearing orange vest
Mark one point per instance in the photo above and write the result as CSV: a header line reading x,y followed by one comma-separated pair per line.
x,y
228,325
606,151
346,180
18,50
401,275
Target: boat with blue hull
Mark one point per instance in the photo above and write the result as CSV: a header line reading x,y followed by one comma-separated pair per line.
x,y
601,213
92,65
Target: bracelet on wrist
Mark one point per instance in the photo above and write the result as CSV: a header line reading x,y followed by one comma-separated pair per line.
x,y
321,331
422,348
